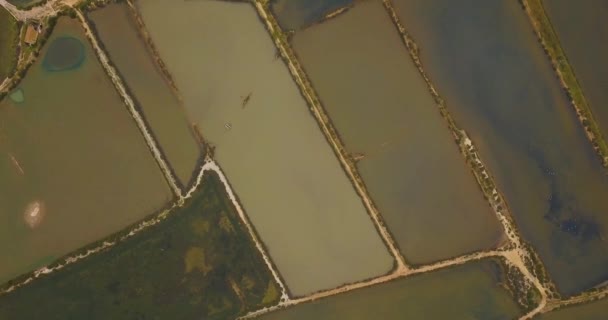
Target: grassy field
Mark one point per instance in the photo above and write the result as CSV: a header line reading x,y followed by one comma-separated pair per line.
x,y
553,48
200,263
9,37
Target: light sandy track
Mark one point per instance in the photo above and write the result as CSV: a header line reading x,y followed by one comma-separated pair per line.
x,y
583,298
141,124
383,279
4,84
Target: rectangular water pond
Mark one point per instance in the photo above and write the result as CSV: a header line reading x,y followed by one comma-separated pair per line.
x,y
200,263
582,27
485,60
597,310
161,108
73,165
468,292
285,173
298,14
384,112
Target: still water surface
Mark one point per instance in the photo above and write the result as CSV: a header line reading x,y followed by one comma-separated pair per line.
x,y
467,292
161,108
486,62
382,108
72,157
582,27
282,168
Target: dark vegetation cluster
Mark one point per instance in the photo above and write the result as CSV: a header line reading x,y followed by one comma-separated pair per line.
x,y
526,295
9,43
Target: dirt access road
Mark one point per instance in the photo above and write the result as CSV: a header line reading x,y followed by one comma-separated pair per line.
x,y
48,9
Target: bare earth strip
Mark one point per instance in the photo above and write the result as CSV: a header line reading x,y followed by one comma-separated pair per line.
x,y
49,8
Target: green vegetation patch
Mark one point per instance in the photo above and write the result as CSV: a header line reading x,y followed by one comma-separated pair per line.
x,y
64,53
9,38
17,96
190,266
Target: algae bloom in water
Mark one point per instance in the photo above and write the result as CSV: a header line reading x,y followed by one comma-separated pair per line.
x,y
17,96
64,53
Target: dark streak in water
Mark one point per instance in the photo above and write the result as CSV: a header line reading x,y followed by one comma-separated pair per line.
x,y
296,14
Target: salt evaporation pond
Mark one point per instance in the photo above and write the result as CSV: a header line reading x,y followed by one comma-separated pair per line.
x,y
274,154
74,168
485,60
382,109
161,108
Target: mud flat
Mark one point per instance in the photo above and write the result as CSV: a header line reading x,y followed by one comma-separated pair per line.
x,y
385,114
73,165
486,62
591,311
161,108
280,165
297,14
470,291
582,27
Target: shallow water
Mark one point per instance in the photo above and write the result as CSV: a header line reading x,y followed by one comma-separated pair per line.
x,y
486,62
470,292
590,311
296,14
271,148
161,108
72,150
64,53
382,108
582,27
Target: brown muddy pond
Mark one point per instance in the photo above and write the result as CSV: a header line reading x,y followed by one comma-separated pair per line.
x,y
73,165
582,27
272,150
161,108
485,60
472,291
383,110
